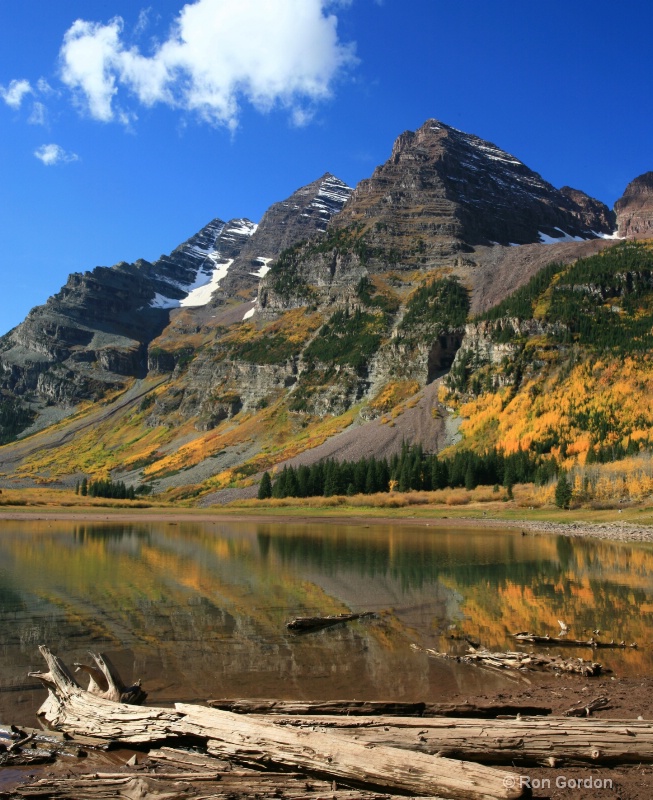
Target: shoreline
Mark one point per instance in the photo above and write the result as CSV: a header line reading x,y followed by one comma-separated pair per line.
x,y
611,530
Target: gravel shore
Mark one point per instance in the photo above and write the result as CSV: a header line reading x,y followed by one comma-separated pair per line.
x,y
617,531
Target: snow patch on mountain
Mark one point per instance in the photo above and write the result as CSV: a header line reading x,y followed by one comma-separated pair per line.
x,y
161,301
331,197
564,237
614,236
263,269
239,227
200,294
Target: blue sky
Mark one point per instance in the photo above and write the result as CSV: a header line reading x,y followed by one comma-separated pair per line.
x,y
126,128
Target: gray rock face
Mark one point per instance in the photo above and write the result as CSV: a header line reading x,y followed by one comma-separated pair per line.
x,y
303,216
448,188
442,194
635,209
94,332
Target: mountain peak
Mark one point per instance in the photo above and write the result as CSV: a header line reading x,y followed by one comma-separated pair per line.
x,y
456,190
635,208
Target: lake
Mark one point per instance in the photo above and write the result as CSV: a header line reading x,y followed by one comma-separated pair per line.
x,y
198,610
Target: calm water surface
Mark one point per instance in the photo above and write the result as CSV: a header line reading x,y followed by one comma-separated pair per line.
x,y
198,611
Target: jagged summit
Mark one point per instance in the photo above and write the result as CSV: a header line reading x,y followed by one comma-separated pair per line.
x,y
304,215
454,190
635,208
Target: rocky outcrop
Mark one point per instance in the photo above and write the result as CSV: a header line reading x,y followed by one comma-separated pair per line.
x,y
591,214
443,190
635,209
302,217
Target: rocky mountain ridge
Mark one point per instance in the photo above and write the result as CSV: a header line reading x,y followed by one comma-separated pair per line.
x,y
95,331
471,193
252,343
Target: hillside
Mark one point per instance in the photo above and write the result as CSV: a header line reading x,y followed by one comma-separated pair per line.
x,y
454,298
562,368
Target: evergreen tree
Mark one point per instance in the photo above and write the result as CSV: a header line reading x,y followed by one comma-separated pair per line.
x,y
265,487
292,487
279,486
84,487
470,476
404,477
381,474
509,476
303,481
563,491
330,479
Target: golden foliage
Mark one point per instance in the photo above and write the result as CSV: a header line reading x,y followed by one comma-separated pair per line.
x,y
393,394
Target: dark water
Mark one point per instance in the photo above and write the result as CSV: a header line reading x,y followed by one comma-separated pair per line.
x,y
198,611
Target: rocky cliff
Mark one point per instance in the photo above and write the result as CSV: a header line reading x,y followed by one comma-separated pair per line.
x,y
635,208
443,190
94,333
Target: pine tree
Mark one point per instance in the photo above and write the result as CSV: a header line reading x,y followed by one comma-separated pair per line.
x,y
404,477
563,491
265,487
470,476
279,488
84,487
331,479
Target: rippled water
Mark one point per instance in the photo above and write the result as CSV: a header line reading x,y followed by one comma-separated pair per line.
x,y
198,611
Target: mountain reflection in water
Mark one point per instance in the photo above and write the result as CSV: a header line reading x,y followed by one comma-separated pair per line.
x,y
198,610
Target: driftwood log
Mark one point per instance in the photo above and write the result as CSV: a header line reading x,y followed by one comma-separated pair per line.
x,y
545,741
261,743
373,708
523,662
306,624
585,709
231,786
25,746
533,638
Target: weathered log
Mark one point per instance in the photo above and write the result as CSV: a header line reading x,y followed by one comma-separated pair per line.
x,y
585,710
187,759
352,708
254,742
522,741
305,624
154,787
520,661
533,638
28,746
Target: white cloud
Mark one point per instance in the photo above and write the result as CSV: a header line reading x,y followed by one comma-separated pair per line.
x,y
143,20
39,115
14,93
219,54
44,87
90,55
51,154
